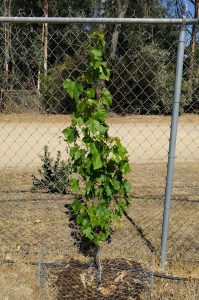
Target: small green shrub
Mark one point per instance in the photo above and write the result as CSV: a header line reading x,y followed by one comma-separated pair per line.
x,y
54,174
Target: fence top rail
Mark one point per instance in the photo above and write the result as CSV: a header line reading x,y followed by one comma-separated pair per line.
x,y
61,20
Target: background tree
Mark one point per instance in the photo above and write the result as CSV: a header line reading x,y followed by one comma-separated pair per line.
x,y
34,58
7,42
122,9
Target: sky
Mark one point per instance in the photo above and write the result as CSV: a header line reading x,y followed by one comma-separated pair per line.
x,y
189,6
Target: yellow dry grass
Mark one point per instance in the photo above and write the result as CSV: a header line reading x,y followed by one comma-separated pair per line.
x,y
34,227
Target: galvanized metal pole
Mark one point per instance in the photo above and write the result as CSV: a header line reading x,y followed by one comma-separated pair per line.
x,y
172,144
61,20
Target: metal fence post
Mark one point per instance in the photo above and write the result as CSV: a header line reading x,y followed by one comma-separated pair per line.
x,y
172,144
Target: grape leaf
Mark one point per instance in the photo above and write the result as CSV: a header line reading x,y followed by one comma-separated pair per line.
x,y
74,183
74,88
71,134
106,97
95,126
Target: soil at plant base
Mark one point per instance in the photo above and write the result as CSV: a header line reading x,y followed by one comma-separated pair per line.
x,y
121,279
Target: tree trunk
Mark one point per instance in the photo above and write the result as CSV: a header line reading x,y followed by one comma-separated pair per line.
x,y
39,81
147,7
122,9
45,38
193,40
7,35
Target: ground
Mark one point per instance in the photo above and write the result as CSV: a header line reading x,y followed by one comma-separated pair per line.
x,y
34,225
22,137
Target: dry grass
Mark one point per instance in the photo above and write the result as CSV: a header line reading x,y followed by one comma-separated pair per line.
x,y
19,281
175,290
34,227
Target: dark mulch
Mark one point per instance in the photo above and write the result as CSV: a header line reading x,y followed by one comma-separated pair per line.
x,y
121,279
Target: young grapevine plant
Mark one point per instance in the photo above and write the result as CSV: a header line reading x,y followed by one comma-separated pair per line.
x,y
99,162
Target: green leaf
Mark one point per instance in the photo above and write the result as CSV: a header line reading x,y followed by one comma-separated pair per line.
x,y
103,213
96,239
126,168
87,163
79,219
96,157
108,189
116,140
90,190
82,210
99,115
74,183
91,103
73,150
116,185
106,97
111,165
96,160
96,53
76,152
71,134
95,126
103,237
80,105
88,233
89,186
104,72
127,186
77,155
121,151
99,212
79,121
90,92
88,78
73,88
122,207
85,222
76,205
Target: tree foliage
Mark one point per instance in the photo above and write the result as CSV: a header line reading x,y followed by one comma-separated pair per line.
x,y
129,54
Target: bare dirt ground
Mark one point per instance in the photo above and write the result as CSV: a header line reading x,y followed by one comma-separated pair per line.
x,y
34,226
22,137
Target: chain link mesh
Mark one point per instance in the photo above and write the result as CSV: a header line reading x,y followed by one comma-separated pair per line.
x,y
35,233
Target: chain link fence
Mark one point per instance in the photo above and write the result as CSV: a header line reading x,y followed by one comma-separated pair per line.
x,y
36,243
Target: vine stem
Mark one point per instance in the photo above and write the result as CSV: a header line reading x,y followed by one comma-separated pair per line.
x,y
98,266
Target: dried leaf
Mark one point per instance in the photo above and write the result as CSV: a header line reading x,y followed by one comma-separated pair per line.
x,y
37,221
18,248
108,290
83,279
120,277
